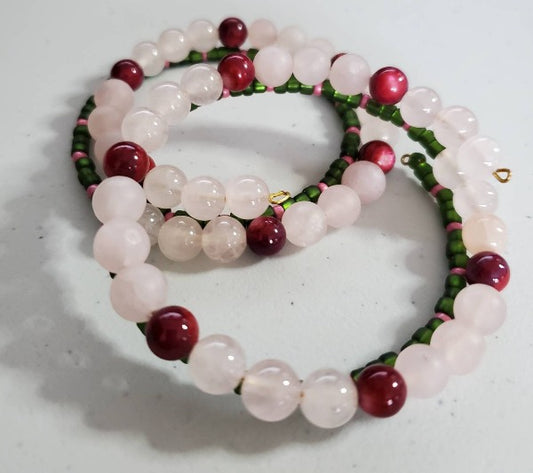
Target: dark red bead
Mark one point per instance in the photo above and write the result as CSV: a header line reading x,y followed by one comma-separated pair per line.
x,y
126,159
237,71
488,268
388,85
172,332
151,163
337,56
265,235
382,390
232,32
128,71
380,153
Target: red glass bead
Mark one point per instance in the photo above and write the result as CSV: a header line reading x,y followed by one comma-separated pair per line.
x,y
488,268
151,163
172,332
232,32
265,235
128,71
237,71
126,159
380,153
388,85
337,56
382,390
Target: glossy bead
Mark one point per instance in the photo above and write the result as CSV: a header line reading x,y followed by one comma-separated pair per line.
x,y
271,390
170,102
202,83
329,398
382,390
373,128
247,196
146,128
180,238
217,364
446,170
104,119
147,55
172,332
478,157
423,369
151,220
203,35
224,239
292,38
488,268
262,33
349,74
311,65
163,186
173,45
232,32
120,243
380,153
305,223
116,93
419,106
475,196
128,71
324,45
266,236
453,125
136,291
484,233
480,306
203,197
104,142
237,71
461,345
126,159
388,85
341,204
366,179
118,196
273,65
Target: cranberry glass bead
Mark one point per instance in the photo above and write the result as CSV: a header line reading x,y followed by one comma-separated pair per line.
x,y
237,71
388,85
232,32
265,236
382,390
172,332
380,153
488,268
128,71
126,159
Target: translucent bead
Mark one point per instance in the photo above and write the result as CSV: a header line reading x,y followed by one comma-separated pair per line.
x,y
146,128
461,346
116,93
292,38
484,233
324,45
118,196
137,291
163,186
224,239
341,204
180,238
311,65
202,83
169,101
147,55
273,65
203,197
120,243
424,370
247,196
366,179
151,220
481,307
420,106
217,364
203,35
478,157
305,223
262,33
104,142
103,120
373,128
173,45
350,74
446,171
271,390
475,196
453,125
329,398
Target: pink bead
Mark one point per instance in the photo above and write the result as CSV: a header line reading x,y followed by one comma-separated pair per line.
x,y
366,179
388,85
118,196
104,119
116,93
305,223
341,204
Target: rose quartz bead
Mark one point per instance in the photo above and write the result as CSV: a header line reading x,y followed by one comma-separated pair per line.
x,y
262,33
202,83
170,102
146,128
180,238
247,196
475,196
305,223
461,345
350,74
446,170
271,390
118,196
173,45
148,56
224,239
453,125
217,364
311,65
373,128
273,65
120,243
484,233
104,119
366,179
104,142
163,186
203,197
424,370
341,204
324,45
329,398
478,157
136,291
116,93
420,106
202,35
292,38
151,220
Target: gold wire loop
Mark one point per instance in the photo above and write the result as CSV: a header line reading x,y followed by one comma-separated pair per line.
x,y
277,198
405,159
503,175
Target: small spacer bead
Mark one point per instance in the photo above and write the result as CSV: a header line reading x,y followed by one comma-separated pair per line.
x,y
82,122
406,126
364,100
78,155
348,159
270,89
204,56
435,190
322,186
169,215
317,90
278,211
454,226
353,129
459,271
91,189
442,316
225,93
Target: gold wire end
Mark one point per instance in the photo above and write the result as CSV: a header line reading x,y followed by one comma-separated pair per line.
x,y
277,198
503,175
405,159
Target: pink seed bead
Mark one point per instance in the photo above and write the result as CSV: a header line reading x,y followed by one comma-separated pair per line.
x,y
453,226
444,317
91,189
78,155
435,190
353,129
317,90
459,271
322,186
81,122
169,215
278,211
364,100
348,159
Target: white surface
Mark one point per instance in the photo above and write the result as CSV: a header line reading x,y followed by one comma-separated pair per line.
x,y
78,389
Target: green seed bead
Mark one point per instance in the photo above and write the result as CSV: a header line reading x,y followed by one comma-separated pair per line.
x,y
293,85
429,182
455,281
340,98
455,235
422,335
281,89
450,216
339,164
81,130
142,327
86,111
434,149
416,159
388,358
396,118
458,261
387,112
414,133
301,197
87,177
327,89
426,137
238,389
269,212
259,88
434,323
313,193
350,144
335,173
445,206
251,53
443,195
408,343
341,108
306,89
194,107
194,57
84,163
236,93
350,119
329,181
354,374
373,108
422,170
287,203
455,248
83,147
354,100
452,292
248,91
445,304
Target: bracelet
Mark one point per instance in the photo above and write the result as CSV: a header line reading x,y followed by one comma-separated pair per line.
x,y
270,389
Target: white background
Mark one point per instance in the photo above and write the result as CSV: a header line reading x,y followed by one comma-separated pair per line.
x,y
80,392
